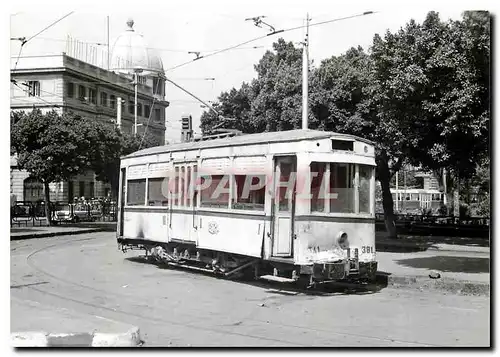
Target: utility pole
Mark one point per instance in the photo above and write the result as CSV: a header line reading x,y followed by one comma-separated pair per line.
x,y
305,76
109,60
136,71
135,105
119,113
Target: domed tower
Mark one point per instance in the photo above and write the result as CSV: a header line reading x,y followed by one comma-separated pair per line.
x,y
130,54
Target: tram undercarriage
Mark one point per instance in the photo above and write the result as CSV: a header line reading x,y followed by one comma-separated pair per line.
x,y
186,255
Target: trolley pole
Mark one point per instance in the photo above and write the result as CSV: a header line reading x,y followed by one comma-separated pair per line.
x,y
305,76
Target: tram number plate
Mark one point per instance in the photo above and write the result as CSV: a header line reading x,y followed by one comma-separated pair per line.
x,y
367,249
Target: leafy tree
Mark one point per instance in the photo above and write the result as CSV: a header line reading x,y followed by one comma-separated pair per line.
x,y
112,146
272,101
51,147
455,102
233,104
421,95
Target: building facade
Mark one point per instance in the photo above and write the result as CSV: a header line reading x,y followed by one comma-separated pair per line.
x,y
67,84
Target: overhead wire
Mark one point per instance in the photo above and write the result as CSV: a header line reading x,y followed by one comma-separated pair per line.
x,y
14,82
24,41
270,34
149,48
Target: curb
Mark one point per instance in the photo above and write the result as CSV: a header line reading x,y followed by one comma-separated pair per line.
x,y
421,283
131,338
396,247
53,234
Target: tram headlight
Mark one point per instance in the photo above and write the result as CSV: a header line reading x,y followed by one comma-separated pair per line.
x,y
342,239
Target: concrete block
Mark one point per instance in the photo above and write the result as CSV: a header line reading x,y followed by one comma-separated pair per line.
x,y
131,338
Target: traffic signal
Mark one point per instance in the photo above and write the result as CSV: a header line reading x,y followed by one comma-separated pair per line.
x,y
187,123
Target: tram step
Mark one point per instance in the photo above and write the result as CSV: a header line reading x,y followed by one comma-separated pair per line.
x,y
278,279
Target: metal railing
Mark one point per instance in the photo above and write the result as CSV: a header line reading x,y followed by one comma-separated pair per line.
x,y
33,213
437,220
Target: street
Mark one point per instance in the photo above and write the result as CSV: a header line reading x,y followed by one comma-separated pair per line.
x,y
84,281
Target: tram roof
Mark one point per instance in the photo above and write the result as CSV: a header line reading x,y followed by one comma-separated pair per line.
x,y
247,139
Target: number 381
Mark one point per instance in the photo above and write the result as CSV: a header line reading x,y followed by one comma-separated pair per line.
x,y
367,249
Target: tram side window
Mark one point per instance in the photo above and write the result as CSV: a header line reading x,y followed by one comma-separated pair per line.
x,y
365,176
317,170
174,187
182,186
157,191
188,187
136,192
217,193
250,192
342,183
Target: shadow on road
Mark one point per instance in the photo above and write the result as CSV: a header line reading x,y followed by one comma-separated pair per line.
x,y
419,243
324,289
449,264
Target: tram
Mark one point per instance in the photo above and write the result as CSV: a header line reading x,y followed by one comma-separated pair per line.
x,y
289,206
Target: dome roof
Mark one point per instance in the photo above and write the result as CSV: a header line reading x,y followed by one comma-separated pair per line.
x,y
130,51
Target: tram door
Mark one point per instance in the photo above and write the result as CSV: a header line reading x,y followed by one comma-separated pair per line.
x,y
122,202
284,205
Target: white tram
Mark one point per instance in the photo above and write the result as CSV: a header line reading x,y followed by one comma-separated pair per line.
x,y
284,206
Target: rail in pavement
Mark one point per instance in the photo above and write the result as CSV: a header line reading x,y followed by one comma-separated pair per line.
x,y
17,233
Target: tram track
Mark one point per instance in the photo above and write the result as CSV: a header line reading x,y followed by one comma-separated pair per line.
x,y
195,312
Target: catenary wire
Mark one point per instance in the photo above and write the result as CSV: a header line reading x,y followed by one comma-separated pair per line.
x,y
24,41
269,34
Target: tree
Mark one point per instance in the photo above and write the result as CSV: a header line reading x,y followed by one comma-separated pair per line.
x,y
421,95
112,146
233,104
272,101
51,147
455,103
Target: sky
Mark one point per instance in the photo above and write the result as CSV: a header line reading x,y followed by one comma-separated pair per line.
x,y
208,26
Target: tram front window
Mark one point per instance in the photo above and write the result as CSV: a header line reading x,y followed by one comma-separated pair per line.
x,y
342,183
333,187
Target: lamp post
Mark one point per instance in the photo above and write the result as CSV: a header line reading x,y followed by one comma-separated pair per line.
x,y
136,71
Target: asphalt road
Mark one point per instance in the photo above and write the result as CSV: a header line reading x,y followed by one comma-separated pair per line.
x,y
85,282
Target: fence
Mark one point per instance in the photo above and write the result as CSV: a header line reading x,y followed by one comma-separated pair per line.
x,y
29,213
437,220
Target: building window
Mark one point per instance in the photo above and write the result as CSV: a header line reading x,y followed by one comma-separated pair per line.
x,y
131,107
81,92
92,96
104,99
71,191
112,101
92,187
81,189
70,90
33,88
33,190
157,86
157,114
136,192
147,110
139,109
